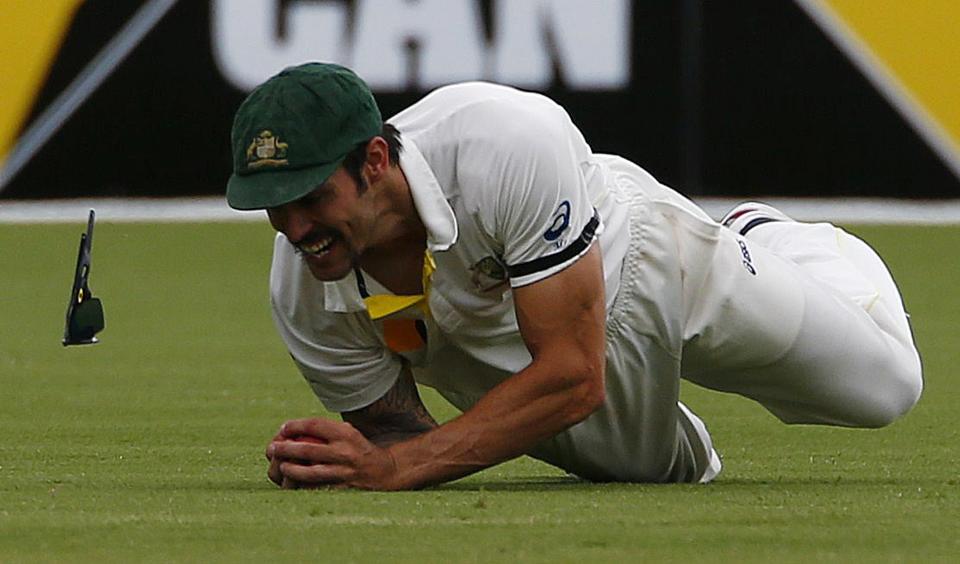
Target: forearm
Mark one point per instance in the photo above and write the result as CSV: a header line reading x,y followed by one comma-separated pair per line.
x,y
531,406
562,386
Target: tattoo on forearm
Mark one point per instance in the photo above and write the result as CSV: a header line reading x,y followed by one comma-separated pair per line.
x,y
397,416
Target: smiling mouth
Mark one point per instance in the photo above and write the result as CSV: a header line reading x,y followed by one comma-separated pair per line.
x,y
319,247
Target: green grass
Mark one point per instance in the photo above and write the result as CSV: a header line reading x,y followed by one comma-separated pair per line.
x,y
148,446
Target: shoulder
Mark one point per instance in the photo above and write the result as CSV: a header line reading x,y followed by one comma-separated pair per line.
x,y
287,272
291,283
490,135
482,112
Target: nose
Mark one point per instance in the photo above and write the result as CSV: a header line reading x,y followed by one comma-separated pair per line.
x,y
291,221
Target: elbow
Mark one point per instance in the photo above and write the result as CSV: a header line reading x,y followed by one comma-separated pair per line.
x,y
589,393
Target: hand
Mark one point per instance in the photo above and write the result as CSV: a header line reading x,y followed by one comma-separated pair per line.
x,y
311,453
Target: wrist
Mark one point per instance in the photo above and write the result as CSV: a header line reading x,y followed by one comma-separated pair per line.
x,y
400,476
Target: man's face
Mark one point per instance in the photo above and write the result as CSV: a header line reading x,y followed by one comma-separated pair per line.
x,y
330,227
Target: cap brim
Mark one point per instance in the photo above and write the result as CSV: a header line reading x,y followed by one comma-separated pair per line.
x,y
270,189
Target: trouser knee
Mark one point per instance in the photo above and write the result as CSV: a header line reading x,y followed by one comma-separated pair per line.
x,y
903,389
897,389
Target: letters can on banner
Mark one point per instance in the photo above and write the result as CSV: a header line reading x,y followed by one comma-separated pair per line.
x,y
400,45
647,80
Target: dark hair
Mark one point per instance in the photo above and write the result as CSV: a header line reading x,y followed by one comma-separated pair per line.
x,y
354,160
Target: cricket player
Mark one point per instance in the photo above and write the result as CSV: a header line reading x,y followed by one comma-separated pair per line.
x,y
475,244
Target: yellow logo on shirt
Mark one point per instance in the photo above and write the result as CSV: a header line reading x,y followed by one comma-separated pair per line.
x,y
488,273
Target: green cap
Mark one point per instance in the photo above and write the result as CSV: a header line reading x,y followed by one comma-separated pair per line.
x,y
294,130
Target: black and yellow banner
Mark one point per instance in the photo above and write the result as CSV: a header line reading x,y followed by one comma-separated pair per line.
x,y
910,51
33,32
751,98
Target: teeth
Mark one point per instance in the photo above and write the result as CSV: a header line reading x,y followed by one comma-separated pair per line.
x,y
318,247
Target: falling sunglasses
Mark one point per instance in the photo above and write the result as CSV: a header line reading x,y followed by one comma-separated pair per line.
x,y
84,312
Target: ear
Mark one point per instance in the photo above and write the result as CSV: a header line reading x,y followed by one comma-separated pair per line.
x,y
378,159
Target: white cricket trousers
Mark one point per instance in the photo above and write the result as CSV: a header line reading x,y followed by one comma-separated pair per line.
x,y
853,361
803,318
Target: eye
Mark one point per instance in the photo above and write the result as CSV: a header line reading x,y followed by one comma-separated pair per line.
x,y
319,194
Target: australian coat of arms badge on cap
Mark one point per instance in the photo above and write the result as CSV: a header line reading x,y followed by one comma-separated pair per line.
x,y
266,150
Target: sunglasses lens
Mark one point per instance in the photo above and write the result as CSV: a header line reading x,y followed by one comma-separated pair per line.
x,y
86,321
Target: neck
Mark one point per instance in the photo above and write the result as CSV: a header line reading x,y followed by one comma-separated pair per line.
x,y
400,231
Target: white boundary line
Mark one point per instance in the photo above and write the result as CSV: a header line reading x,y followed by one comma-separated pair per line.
x,y
124,210
215,209
884,80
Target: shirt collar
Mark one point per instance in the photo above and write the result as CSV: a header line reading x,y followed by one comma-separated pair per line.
x,y
343,295
436,214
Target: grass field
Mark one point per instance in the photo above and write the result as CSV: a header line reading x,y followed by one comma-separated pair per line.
x,y
148,447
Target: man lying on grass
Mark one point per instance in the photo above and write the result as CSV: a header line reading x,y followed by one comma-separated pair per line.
x,y
555,295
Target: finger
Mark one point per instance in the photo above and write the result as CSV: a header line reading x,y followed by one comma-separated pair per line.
x,y
277,437
310,453
315,427
273,472
314,474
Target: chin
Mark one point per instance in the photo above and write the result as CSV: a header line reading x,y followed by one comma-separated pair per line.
x,y
329,275
328,272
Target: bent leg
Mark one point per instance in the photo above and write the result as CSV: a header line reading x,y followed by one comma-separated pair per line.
x,y
842,370
855,351
853,361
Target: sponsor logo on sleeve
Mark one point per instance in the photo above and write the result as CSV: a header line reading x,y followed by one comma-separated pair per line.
x,y
561,220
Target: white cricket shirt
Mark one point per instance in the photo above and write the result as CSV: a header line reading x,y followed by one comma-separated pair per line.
x,y
509,193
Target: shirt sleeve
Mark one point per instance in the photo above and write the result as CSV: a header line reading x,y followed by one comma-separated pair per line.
x,y
340,354
528,174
